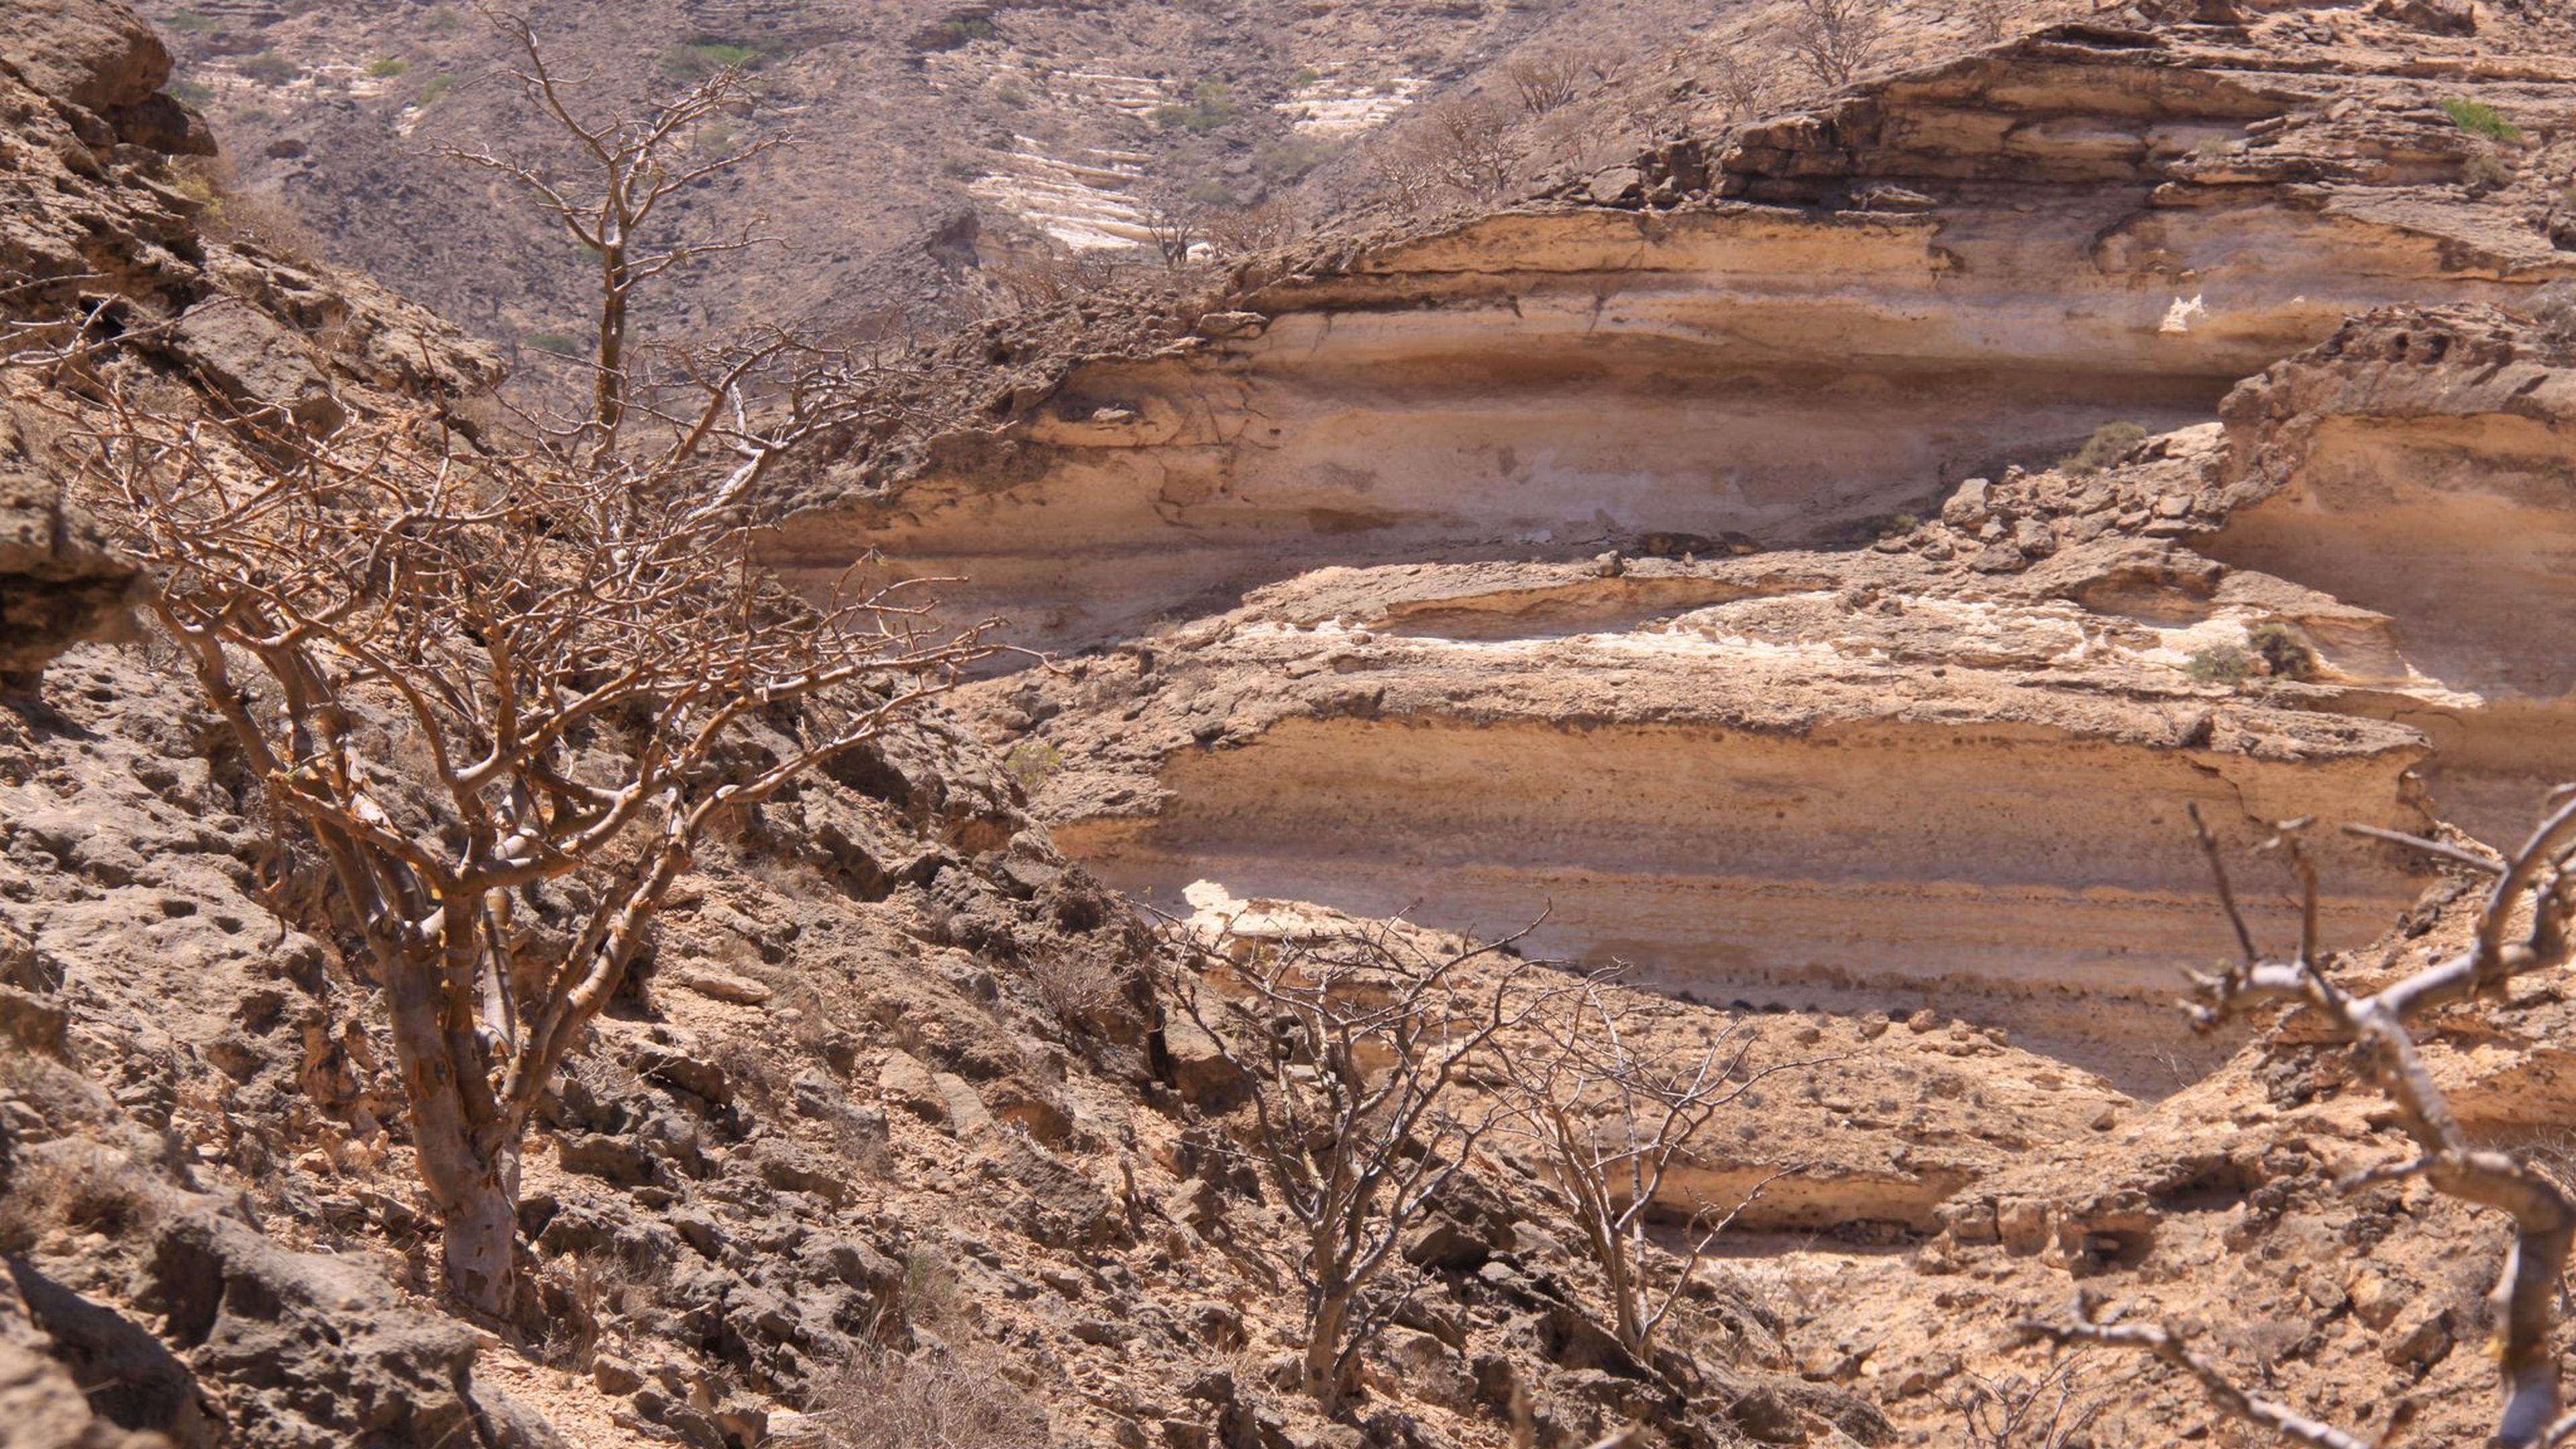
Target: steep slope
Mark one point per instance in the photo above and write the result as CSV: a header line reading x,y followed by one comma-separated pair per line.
x,y
895,1121
936,137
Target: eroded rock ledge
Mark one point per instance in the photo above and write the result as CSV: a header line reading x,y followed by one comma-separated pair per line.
x,y
1950,767
1858,780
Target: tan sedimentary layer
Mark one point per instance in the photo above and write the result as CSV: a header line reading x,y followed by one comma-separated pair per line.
x,y
2048,877
1858,780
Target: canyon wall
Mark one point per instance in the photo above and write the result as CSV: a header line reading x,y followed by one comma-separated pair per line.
x,y
1829,320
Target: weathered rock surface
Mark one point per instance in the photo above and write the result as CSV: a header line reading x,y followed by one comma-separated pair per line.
x,y
59,581
2420,464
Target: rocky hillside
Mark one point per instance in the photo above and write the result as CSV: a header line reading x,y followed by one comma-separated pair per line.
x,y
935,139
1815,559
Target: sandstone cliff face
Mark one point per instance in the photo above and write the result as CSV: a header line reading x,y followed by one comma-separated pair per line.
x,y
1984,260
1763,760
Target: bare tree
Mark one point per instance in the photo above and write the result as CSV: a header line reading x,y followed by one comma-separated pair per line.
x,y
1354,1043
1254,228
621,169
1550,79
510,695
1612,1118
1986,22
1838,39
1176,221
1405,173
2522,928
1470,147
2011,1411
590,675
1747,78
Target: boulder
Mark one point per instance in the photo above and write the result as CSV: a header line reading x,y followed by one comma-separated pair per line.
x,y
60,582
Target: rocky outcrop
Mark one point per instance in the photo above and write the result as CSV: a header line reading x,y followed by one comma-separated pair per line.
x,y
59,581
2418,464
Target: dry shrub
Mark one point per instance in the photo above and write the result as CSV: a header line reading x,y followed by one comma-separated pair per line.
x,y
1044,278
264,223
1987,21
71,1183
934,1399
2056,1410
1838,39
1255,228
933,1296
1077,986
1748,78
1553,78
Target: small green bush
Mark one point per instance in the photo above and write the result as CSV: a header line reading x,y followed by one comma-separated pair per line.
x,y
1212,103
2284,654
964,32
387,67
1290,159
438,85
2480,119
270,68
2221,664
1899,525
2104,448
195,93
697,62
563,343
189,22
1031,762
441,19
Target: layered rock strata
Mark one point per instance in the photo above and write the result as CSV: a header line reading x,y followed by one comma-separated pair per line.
x,y
1779,338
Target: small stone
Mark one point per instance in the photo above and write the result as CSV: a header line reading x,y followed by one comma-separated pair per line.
x,y
1232,324
615,1376
1608,188
905,1082
720,985
1966,507
1107,1333
1923,1021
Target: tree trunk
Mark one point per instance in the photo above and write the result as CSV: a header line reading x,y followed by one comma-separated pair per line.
x,y
1324,1351
478,1212
471,1169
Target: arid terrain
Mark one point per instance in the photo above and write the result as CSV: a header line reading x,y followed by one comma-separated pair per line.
x,y
1813,547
